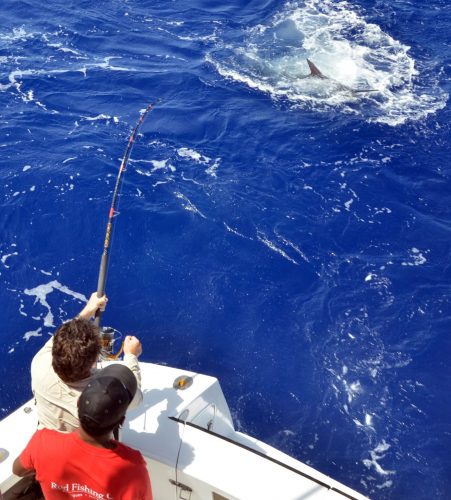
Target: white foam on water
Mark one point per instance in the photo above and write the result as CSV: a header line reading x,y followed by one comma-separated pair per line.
x,y
376,455
61,48
70,159
417,258
155,184
26,96
42,291
7,256
18,76
197,157
189,179
32,333
106,65
237,233
367,423
386,484
101,116
353,389
143,172
293,246
272,246
348,204
381,285
17,34
159,164
193,155
188,205
212,169
351,52
23,313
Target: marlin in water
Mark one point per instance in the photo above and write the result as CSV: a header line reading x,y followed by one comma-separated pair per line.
x,y
316,73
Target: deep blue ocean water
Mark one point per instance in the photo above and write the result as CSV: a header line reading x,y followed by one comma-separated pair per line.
x,y
281,233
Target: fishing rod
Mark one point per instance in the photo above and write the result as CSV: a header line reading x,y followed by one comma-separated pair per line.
x,y
106,247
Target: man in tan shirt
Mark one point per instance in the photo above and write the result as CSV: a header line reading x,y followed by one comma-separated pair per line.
x,y
63,367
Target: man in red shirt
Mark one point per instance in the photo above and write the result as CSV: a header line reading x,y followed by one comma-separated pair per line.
x,y
89,463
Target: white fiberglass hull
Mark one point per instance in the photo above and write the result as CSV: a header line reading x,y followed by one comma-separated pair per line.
x,y
187,437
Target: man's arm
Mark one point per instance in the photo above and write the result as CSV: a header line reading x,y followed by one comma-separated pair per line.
x,y
133,349
92,305
20,470
24,464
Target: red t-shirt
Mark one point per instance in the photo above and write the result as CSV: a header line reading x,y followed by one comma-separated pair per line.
x,y
68,467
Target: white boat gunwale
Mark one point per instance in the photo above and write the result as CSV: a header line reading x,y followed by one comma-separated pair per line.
x,y
267,457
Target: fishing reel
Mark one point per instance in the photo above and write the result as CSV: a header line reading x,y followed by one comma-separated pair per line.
x,y
109,337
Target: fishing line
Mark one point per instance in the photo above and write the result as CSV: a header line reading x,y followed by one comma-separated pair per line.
x,y
114,202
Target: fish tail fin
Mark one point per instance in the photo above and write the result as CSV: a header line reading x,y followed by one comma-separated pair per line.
x,y
314,71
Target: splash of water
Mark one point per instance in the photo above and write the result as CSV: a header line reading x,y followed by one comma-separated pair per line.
x,y
350,51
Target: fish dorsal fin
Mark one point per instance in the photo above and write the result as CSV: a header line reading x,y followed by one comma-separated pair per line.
x,y
314,71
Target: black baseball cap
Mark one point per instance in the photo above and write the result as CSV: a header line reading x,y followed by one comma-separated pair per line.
x,y
105,399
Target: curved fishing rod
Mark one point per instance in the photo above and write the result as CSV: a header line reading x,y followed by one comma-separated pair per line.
x,y
106,247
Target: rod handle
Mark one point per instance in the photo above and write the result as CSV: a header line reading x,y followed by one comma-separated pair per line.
x,y
101,284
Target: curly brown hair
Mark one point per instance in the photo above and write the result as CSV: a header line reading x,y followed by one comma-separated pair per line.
x,y
76,347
